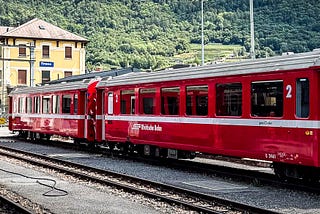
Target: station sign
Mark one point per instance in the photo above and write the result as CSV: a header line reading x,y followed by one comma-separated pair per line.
x,y
46,64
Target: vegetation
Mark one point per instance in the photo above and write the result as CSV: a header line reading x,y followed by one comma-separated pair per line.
x,y
152,34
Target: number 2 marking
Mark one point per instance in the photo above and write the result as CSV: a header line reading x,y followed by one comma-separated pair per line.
x,y
289,90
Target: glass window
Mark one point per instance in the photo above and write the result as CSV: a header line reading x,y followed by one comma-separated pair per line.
x,y
147,96
46,104
170,101
229,99
22,51
197,100
126,104
45,76
302,98
45,51
67,73
56,104
75,104
68,52
267,99
29,105
66,103
110,103
36,106
22,77
21,105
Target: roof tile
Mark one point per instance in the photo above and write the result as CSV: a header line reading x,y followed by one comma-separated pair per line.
x,y
37,28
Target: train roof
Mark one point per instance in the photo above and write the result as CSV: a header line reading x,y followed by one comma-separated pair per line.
x,y
278,63
92,75
80,85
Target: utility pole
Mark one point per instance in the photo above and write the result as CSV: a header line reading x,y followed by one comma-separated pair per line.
x,y
202,39
252,52
2,104
31,47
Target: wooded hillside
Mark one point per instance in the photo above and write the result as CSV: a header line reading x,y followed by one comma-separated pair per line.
x,y
147,34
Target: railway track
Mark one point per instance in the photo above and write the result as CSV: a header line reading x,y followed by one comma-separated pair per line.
x,y
191,200
10,206
250,176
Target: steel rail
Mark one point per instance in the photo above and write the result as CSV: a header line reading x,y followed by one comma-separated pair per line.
x,y
210,201
14,205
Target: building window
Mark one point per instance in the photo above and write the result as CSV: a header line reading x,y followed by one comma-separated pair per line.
x,y
67,73
22,77
45,51
45,76
302,98
22,51
267,99
229,99
68,52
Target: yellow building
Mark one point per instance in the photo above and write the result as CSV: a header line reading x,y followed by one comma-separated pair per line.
x,y
37,52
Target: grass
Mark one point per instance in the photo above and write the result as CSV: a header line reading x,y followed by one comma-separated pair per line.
x,y
212,52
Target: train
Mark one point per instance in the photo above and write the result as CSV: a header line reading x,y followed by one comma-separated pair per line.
x,y
264,109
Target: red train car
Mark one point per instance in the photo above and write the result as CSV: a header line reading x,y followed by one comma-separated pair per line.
x,y
63,109
264,109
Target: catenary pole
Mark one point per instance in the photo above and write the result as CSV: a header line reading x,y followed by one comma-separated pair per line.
x,y
202,39
252,51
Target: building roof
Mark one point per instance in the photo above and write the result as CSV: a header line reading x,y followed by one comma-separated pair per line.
x,y
37,28
4,29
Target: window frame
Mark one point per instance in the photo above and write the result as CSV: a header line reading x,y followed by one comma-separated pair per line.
x,y
271,109
300,98
22,50
45,51
168,107
68,52
22,81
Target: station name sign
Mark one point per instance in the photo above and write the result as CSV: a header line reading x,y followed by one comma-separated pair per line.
x,y
46,64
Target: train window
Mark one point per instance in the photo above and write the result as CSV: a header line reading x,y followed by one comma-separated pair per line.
x,y
110,103
75,104
170,101
21,107
46,104
36,106
66,104
197,100
267,99
15,105
56,104
125,101
29,105
229,99
302,98
147,97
